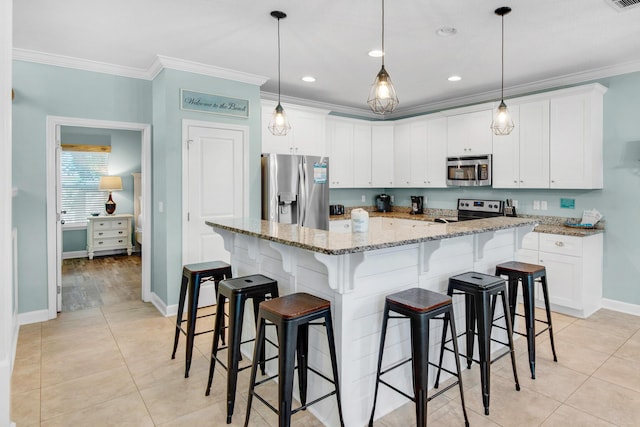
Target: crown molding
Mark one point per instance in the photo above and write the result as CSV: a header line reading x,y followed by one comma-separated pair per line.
x,y
207,70
161,62
78,63
333,108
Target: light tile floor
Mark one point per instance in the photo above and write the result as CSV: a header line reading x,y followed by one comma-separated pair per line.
x,y
111,365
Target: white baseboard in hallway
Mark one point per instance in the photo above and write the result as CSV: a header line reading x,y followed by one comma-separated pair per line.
x,y
623,307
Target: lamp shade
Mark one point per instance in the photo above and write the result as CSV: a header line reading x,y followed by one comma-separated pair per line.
x,y
110,183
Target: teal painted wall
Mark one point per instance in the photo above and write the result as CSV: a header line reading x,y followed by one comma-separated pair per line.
x,y
43,90
167,165
619,201
124,159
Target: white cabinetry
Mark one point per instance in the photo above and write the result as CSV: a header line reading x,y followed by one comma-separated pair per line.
x,y
574,270
340,137
362,156
109,233
382,156
521,159
576,137
469,134
420,153
307,134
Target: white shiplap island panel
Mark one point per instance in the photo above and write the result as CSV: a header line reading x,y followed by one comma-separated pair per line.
x,y
355,271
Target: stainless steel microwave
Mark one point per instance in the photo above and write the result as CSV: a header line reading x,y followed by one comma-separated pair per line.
x,y
472,171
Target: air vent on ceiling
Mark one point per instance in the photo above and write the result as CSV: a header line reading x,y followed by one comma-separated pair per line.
x,y
622,5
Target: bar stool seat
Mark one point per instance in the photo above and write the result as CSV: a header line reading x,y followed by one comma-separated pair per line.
x,y
528,275
237,291
193,275
480,292
292,315
419,306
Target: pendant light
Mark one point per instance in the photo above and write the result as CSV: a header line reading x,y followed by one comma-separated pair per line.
x,y
502,123
279,124
382,97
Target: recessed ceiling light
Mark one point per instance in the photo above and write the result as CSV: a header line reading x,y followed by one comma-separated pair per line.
x,y
375,53
309,79
446,31
454,78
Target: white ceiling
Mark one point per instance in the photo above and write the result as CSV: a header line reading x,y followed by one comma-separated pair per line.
x,y
547,42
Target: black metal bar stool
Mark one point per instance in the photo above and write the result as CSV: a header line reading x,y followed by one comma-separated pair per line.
x,y
528,274
193,275
419,306
479,291
292,314
257,287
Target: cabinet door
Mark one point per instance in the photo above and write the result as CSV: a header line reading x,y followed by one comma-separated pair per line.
x,y
506,155
469,134
534,144
564,279
307,131
402,156
418,154
271,143
362,156
382,156
340,136
436,159
569,141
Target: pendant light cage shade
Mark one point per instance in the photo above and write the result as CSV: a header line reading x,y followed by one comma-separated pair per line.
x,y
502,123
382,96
279,124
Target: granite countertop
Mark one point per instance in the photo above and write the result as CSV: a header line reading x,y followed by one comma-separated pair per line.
x,y
546,224
338,243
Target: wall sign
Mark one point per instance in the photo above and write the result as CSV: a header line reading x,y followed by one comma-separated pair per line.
x,y
216,104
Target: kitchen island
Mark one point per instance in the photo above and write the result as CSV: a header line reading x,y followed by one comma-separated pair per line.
x,y
355,271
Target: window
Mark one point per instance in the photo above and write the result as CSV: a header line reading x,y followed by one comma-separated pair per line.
x,y
80,179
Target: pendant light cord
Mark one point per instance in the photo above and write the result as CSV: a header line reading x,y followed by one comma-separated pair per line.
x,y
502,83
383,51
278,61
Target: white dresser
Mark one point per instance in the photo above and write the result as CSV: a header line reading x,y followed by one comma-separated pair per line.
x,y
109,233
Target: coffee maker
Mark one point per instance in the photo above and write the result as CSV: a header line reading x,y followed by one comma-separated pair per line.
x,y
417,205
383,203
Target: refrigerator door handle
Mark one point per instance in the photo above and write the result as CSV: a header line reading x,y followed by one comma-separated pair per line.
x,y
302,206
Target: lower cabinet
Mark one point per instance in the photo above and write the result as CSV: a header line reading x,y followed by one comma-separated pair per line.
x,y
574,270
109,233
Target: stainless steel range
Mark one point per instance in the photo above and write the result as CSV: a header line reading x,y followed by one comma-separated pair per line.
x,y
476,209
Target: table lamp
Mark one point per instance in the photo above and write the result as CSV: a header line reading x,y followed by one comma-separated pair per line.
x,y
110,183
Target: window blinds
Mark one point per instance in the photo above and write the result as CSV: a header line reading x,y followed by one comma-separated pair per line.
x,y
80,178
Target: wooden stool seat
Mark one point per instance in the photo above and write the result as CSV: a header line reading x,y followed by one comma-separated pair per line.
x,y
295,305
419,300
521,267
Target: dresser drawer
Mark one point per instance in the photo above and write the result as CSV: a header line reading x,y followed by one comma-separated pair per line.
x,y
559,244
112,243
110,233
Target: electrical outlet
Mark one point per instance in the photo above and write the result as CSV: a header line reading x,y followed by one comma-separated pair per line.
x,y
364,199
536,205
543,205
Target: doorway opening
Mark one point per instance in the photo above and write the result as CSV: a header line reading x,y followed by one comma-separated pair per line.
x,y
56,127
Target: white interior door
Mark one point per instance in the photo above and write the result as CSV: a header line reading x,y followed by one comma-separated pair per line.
x,y
59,222
214,186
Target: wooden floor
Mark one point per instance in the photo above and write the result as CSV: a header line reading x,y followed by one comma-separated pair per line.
x,y
101,281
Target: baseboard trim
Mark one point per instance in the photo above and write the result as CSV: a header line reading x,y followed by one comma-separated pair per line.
x,y
623,307
74,254
160,305
33,317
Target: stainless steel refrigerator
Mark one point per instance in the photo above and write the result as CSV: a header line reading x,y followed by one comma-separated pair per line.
x,y
295,190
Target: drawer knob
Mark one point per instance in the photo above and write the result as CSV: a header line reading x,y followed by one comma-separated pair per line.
x,y
100,234
559,243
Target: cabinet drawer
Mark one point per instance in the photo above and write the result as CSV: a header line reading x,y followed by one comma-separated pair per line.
x,y
110,243
109,233
102,225
559,244
530,241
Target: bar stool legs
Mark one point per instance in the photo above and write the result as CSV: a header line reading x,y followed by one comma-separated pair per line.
x,y
419,306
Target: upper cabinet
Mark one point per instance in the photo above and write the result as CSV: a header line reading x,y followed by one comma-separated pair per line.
x,y
521,159
469,134
362,155
307,134
576,137
420,149
382,155
340,138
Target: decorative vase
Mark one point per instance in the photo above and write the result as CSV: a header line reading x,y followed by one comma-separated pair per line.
x,y
110,206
